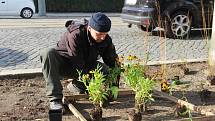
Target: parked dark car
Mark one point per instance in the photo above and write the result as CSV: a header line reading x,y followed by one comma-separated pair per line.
x,y
177,17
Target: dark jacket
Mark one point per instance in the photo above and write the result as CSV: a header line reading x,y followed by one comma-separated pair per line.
x,y
79,47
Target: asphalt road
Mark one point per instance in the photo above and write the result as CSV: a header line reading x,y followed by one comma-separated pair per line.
x,y
22,39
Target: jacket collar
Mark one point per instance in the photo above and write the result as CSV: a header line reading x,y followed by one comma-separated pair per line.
x,y
90,38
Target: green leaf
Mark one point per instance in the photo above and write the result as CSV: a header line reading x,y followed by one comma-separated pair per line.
x,y
114,91
135,79
104,96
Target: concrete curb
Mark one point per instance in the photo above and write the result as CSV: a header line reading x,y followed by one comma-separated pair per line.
x,y
38,71
20,72
67,15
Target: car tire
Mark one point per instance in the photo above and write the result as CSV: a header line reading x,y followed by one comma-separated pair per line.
x,y
26,13
178,25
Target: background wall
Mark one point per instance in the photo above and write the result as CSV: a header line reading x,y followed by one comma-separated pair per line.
x,y
82,5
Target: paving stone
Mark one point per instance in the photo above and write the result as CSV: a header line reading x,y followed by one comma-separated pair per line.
x,y
20,47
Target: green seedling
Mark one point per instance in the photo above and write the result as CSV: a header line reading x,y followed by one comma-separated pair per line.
x,y
135,79
144,92
172,85
95,86
113,80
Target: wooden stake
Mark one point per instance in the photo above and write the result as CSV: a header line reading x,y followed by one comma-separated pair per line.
x,y
203,118
156,93
122,92
76,97
76,112
182,102
211,55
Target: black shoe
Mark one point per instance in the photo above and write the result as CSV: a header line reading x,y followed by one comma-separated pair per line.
x,y
55,115
74,89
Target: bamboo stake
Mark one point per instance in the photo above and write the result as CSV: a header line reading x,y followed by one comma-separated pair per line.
x,y
76,112
212,44
176,61
211,54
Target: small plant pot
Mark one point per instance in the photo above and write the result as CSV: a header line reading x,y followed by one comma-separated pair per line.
x,y
205,95
133,116
96,114
55,115
181,111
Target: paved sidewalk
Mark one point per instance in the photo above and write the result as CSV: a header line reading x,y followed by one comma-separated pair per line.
x,y
21,40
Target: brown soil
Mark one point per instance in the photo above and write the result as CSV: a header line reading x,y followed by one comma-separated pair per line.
x,y
96,114
24,98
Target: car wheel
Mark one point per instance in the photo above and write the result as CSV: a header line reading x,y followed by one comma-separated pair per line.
x,y
145,28
178,25
26,13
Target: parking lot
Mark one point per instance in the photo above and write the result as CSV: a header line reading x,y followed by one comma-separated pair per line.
x,y
22,39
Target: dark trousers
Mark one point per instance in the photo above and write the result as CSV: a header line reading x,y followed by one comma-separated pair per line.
x,y
55,67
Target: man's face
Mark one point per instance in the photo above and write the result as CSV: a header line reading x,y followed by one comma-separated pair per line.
x,y
97,36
